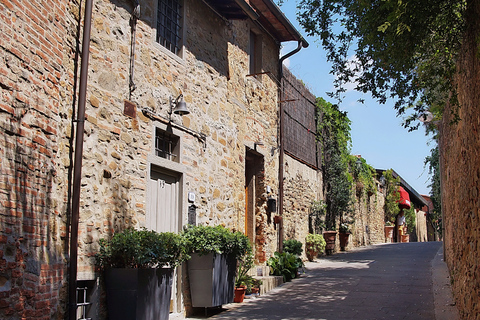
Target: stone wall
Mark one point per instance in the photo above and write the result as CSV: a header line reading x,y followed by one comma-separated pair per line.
x,y
299,176
460,176
369,221
231,109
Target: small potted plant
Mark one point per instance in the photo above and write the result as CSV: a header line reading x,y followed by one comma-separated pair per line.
x,y
293,246
314,244
211,269
389,228
256,283
243,281
138,268
284,264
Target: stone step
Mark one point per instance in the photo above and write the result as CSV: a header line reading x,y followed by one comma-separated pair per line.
x,y
259,271
263,273
269,282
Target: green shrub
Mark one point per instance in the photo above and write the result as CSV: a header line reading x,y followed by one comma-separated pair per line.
x,y
314,244
141,249
207,239
293,246
284,264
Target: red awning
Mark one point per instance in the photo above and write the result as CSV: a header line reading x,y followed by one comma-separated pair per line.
x,y
404,201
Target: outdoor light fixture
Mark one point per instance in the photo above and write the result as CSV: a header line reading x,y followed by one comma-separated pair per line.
x,y
178,106
426,117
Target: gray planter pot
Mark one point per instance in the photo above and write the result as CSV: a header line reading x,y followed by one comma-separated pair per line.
x,y
212,279
141,294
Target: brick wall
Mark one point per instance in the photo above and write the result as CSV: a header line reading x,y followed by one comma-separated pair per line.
x,y
460,176
35,83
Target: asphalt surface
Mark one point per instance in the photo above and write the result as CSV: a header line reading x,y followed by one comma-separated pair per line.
x,y
388,281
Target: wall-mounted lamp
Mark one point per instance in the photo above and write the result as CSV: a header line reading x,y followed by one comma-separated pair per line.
x,y
178,106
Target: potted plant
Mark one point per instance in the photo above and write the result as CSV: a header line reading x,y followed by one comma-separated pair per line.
x,y
211,269
138,268
284,264
314,244
330,236
344,234
389,228
243,281
256,283
293,246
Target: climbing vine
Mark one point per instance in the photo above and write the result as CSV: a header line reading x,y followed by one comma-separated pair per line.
x,y
334,135
364,175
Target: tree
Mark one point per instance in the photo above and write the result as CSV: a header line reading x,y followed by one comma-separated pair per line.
x,y
392,196
433,162
334,135
403,49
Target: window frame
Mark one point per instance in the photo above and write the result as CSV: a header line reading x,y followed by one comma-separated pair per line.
x,y
178,54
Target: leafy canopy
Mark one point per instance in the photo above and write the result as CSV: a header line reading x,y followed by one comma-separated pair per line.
x,y
400,49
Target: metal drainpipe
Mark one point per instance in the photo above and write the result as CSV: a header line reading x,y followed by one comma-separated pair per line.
x,y
77,170
301,44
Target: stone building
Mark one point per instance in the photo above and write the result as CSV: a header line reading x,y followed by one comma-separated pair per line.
x,y
144,165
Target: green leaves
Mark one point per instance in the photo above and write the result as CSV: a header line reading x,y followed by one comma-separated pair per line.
x,y
284,264
206,239
141,249
315,242
334,134
293,246
404,49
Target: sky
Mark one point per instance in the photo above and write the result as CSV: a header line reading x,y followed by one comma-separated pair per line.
x,y
377,133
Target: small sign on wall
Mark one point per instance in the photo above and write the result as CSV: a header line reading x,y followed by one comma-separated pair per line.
x,y
130,109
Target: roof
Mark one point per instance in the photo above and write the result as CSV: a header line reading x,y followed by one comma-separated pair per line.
x,y
266,12
415,197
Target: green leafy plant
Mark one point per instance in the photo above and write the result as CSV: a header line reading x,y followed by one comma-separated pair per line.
x,y
391,196
404,50
284,264
141,249
314,244
293,246
410,218
334,135
244,264
364,176
316,216
207,239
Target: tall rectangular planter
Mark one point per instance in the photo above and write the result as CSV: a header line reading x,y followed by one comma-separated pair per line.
x,y
212,279
141,294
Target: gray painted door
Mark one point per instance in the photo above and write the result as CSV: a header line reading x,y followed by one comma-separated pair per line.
x,y
163,211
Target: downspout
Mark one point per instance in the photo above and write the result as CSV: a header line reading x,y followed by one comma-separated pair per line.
x,y
301,44
77,170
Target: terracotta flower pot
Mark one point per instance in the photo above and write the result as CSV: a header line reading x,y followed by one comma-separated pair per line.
x,y
330,237
311,254
389,233
343,240
239,294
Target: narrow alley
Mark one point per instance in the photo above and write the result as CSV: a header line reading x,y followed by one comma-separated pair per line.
x,y
390,281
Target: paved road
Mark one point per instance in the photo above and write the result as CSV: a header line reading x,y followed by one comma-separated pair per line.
x,y
390,281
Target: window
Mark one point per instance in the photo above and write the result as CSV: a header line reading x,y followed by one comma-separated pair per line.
x,y
169,20
255,53
166,145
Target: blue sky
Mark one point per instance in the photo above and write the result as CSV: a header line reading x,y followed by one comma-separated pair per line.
x,y
377,133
